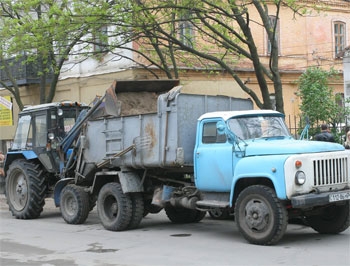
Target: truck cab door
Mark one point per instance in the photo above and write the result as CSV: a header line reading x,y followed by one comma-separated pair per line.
x,y
213,155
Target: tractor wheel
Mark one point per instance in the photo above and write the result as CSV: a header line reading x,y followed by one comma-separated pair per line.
x,y
25,189
74,204
333,219
114,207
260,216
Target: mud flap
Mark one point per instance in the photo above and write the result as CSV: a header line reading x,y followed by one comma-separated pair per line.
x,y
130,182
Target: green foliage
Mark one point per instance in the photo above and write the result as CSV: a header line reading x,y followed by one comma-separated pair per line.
x,y
319,103
45,32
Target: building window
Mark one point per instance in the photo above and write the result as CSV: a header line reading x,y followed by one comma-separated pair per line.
x,y
340,99
186,32
273,21
339,37
101,40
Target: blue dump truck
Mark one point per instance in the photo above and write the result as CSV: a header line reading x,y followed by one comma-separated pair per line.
x,y
146,146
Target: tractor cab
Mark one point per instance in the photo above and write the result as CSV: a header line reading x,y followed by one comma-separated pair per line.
x,y
42,128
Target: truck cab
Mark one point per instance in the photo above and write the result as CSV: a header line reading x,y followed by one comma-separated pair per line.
x,y
225,138
249,162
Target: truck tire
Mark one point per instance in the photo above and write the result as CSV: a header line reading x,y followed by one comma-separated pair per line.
x,y
137,210
180,215
25,189
260,216
199,216
219,213
150,208
333,219
114,207
74,203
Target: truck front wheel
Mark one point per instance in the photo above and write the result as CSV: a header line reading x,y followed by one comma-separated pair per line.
x,y
74,203
114,207
332,220
260,216
25,189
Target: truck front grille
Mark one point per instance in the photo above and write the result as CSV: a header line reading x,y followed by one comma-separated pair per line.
x,y
331,171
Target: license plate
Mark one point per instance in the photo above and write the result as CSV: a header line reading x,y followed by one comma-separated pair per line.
x,y
339,196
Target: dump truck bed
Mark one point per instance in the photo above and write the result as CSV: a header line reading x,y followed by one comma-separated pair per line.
x,y
164,139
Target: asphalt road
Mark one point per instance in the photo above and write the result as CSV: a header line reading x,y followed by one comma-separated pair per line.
x,y
50,241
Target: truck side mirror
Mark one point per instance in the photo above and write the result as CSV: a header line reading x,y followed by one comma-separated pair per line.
x,y
220,127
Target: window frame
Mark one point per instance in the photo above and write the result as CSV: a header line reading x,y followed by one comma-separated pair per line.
x,y
208,136
100,45
272,20
186,30
339,45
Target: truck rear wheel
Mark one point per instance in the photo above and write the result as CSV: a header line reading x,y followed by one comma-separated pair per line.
x,y
74,203
137,210
114,207
333,219
25,189
219,213
260,216
180,215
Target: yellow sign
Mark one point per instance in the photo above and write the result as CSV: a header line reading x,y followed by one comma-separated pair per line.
x,y
5,111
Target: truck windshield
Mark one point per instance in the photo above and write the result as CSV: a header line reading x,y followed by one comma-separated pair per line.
x,y
258,127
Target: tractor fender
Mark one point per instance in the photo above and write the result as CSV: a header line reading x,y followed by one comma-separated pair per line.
x,y
14,155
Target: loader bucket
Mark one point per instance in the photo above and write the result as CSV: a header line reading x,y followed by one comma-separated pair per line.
x,y
112,105
130,97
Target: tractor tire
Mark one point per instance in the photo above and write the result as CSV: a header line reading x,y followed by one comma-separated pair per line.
x,y
333,219
114,207
25,189
260,216
137,210
74,203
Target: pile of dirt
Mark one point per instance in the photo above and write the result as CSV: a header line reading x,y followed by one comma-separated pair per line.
x,y
134,103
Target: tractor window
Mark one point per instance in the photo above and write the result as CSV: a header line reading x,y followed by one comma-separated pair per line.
x,y
40,131
23,133
69,118
68,124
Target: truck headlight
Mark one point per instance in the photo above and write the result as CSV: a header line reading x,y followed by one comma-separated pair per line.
x,y
300,178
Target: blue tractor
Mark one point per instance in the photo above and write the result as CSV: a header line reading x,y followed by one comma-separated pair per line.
x,y
41,154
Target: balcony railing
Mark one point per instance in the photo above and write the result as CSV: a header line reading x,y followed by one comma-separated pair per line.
x,y
23,72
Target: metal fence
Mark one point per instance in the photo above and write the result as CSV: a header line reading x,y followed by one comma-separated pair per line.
x,y
294,123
